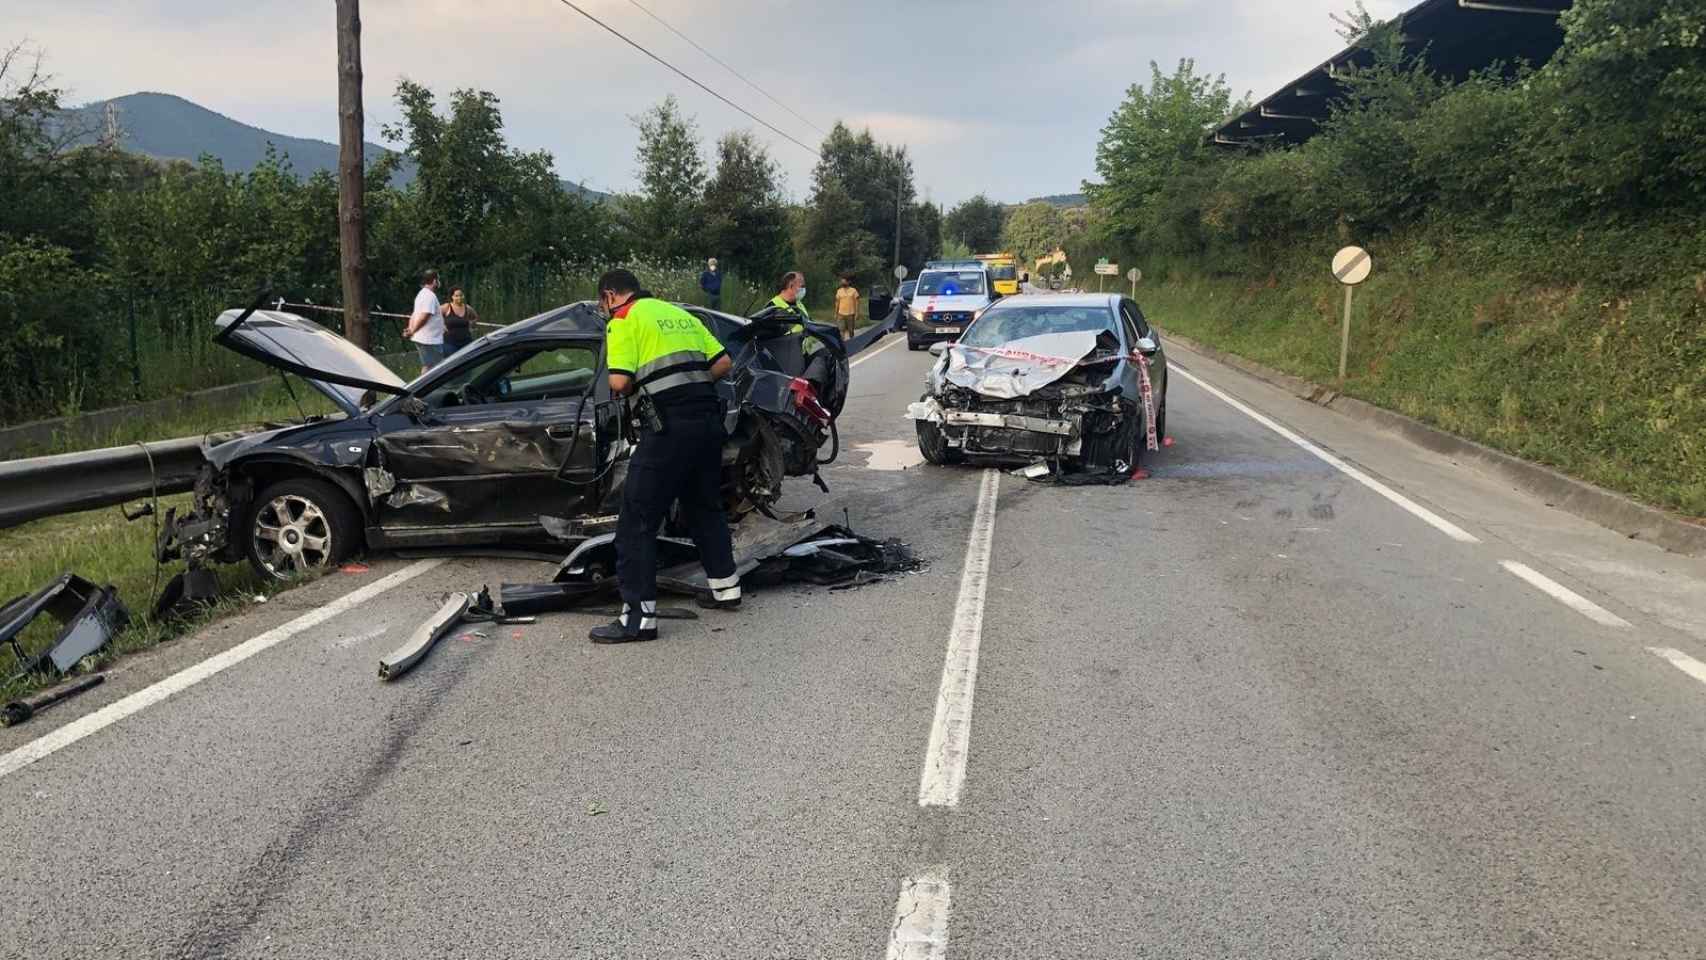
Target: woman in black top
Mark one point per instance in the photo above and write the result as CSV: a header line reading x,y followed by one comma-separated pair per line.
x,y
459,320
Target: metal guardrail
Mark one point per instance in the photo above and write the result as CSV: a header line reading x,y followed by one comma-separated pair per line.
x,y
40,487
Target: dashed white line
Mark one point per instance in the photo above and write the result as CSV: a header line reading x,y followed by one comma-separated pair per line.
x,y
190,676
1564,595
1681,661
950,732
920,927
1427,516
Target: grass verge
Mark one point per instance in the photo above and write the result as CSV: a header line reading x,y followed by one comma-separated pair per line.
x,y
1609,388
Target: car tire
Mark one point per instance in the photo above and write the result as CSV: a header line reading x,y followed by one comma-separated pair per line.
x,y
912,344
1161,422
933,444
313,525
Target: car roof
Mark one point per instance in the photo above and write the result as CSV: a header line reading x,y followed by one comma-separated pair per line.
x,y
1109,300
579,318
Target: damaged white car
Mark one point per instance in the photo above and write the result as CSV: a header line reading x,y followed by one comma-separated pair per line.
x,y
1077,382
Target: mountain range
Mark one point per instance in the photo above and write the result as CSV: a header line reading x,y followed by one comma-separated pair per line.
x,y
168,127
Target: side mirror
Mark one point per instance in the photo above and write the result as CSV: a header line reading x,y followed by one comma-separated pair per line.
x,y
939,347
1147,346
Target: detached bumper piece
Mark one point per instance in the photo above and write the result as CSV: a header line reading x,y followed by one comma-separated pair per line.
x,y
91,617
415,649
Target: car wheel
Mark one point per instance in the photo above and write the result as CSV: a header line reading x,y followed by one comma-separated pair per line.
x,y
912,344
300,526
1161,422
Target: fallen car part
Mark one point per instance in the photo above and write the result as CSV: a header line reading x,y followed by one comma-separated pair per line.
x,y
24,708
91,617
401,660
184,590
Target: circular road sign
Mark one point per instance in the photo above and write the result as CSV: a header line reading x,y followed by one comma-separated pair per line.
x,y
1351,265
900,271
1134,274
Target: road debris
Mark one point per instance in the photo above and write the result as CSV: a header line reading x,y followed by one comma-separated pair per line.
x,y
90,616
401,660
22,709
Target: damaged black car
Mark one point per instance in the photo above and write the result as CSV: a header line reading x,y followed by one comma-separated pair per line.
x,y
1077,382
514,434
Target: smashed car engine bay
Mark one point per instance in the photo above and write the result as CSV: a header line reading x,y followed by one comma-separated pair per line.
x,y
1054,400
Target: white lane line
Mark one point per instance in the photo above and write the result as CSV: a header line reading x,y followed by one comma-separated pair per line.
x,y
1564,595
920,928
1681,661
873,353
950,733
190,676
1432,519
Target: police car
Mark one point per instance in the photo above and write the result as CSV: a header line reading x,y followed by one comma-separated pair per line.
x,y
946,301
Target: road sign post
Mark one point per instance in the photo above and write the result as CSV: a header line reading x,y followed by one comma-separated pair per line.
x,y
1105,269
1351,266
1134,275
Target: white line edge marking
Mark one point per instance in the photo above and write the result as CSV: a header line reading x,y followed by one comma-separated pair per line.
x,y
950,732
112,713
1681,661
1564,595
1422,513
920,927
873,353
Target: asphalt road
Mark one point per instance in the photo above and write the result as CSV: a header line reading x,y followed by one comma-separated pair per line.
x,y
1251,706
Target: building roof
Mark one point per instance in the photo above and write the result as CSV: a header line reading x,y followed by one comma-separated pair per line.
x,y
1456,37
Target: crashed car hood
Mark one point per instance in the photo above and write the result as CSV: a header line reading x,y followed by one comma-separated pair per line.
x,y
334,366
1018,367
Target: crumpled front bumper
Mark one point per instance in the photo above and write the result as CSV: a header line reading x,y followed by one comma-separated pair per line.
x,y
1000,435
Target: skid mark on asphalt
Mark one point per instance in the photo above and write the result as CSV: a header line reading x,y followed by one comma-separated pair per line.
x,y
190,676
223,926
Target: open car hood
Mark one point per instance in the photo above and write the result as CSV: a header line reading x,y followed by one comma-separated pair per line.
x,y
334,366
1018,367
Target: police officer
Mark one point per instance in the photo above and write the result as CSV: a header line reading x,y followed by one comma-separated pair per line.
x,y
665,357
787,299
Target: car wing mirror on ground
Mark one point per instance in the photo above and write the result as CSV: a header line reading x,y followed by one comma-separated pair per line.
x,y
939,348
1147,346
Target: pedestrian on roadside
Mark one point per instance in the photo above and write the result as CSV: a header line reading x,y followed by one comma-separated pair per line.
x,y
847,306
459,319
665,355
711,281
426,324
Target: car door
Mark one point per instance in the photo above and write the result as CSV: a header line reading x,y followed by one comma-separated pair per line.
x,y
506,435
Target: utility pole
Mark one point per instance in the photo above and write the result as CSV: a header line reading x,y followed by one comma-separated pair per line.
x,y
899,181
352,224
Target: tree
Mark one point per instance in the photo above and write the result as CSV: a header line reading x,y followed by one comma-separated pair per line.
x,y
1034,230
746,220
975,222
859,187
1152,135
666,217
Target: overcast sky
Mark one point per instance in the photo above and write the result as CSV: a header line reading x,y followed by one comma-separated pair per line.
x,y
991,96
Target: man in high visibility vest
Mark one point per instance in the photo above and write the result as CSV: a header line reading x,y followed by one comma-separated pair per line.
x,y
665,357
788,299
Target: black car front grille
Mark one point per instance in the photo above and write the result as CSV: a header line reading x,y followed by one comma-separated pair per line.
x,y
947,316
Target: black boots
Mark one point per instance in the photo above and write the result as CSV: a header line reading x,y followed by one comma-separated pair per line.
x,y
633,626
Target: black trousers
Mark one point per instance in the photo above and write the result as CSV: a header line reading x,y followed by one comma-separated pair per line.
x,y
682,463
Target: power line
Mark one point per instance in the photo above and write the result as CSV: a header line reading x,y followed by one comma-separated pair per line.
x,y
725,66
678,72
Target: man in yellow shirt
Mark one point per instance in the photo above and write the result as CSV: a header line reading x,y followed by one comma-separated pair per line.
x,y
847,307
